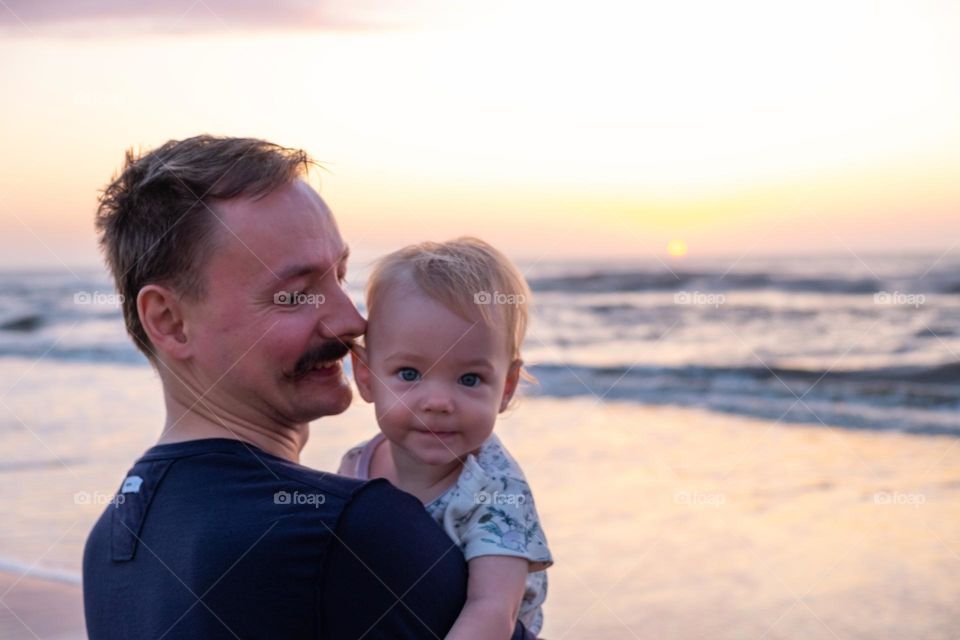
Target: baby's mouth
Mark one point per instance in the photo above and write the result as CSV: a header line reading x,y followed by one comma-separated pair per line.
x,y
437,433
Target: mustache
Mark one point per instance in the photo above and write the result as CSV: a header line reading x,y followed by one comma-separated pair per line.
x,y
332,350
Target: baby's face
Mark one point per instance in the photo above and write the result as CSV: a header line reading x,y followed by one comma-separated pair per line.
x,y
437,380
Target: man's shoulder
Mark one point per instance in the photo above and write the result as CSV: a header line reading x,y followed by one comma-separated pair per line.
x,y
243,461
377,503
253,477
309,478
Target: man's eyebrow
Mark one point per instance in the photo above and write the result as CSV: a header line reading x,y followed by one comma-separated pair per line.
x,y
297,270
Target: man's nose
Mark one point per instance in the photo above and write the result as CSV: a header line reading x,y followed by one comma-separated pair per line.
x,y
339,318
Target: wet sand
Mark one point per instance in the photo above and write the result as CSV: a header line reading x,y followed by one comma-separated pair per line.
x,y
36,608
676,523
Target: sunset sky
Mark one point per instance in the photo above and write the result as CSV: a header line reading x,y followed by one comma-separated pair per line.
x,y
549,128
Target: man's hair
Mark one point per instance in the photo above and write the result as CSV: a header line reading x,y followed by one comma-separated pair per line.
x,y
155,222
467,276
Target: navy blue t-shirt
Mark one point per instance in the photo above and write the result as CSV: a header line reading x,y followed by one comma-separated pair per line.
x,y
219,539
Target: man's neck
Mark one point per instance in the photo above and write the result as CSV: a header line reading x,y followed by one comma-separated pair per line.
x,y
203,421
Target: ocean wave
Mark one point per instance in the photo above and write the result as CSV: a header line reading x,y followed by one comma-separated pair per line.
x,y
22,322
39,572
910,399
943,374
631,314
677,280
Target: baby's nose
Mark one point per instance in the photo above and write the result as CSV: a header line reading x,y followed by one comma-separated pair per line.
x,y
437,402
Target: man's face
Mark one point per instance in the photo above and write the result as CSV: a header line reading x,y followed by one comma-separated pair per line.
x,y
437,380
275,307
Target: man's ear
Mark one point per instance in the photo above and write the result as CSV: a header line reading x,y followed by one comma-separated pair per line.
x,y
162,317
510,386
361,372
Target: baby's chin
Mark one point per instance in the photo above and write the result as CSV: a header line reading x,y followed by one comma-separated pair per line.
x,y
439,455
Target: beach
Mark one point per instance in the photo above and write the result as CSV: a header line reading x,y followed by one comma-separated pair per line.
x,y
684,524
663,521
34,608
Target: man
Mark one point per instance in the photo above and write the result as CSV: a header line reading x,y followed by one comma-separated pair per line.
x,y
232,267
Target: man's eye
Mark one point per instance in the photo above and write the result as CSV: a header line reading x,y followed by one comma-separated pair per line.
x,y
408,374
470,379
288,298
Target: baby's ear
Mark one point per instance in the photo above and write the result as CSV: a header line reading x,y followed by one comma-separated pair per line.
x,y
510,385
361,372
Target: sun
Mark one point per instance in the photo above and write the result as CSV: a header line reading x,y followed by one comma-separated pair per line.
x,y
677,248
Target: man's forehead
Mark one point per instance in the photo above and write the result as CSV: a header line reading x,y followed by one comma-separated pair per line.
x,y
312,264
293,204
287,230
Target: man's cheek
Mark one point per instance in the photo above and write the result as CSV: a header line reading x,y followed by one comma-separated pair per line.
x,y
278,351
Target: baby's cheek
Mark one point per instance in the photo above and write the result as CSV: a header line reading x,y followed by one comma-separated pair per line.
x,y
385,397
482,419
392,411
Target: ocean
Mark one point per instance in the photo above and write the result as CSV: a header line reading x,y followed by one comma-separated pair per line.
x,y
870,342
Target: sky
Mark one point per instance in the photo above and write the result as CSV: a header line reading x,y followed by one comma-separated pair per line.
x,y
554,130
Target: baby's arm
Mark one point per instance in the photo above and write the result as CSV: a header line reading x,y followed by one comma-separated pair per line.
x,y
494,591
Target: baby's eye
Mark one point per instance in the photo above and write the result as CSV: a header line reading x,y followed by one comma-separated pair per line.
x,y
408,374
470,379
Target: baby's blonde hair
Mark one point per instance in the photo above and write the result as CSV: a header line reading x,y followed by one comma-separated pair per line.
x,y
466,275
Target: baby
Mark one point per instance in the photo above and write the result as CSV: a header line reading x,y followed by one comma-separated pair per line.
x,y
441,360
